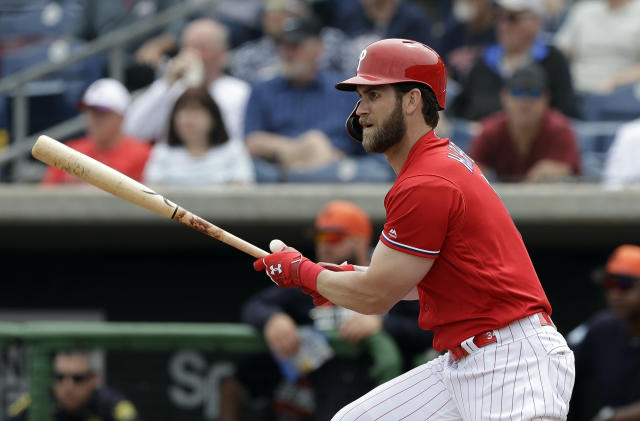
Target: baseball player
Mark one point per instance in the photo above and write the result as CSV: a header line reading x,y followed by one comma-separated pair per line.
x,y
449,242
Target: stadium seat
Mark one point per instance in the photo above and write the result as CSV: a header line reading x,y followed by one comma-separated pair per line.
x,y
31,19
594,139
53,98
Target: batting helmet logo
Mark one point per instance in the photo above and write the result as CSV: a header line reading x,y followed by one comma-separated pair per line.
x,y
363,54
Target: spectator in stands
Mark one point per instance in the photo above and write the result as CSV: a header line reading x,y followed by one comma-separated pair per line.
x,y
607,347
527,141
257,60
106,101
295,129
98,18
555,11
241,17
600,39
518,29
621,166
199,150
200,61
370,20
78,393
343,233
469,29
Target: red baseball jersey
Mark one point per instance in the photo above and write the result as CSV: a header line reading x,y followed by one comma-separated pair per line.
x,y
442,207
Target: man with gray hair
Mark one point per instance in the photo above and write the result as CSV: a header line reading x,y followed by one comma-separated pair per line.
x,y
201,61
519,43
78,392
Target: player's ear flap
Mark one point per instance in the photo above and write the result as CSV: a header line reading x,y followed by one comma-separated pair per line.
x,y
354,129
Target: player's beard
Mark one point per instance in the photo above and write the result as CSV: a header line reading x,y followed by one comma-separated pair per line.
x,y
390,132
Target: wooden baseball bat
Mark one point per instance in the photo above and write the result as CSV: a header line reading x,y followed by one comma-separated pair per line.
x,y
56,154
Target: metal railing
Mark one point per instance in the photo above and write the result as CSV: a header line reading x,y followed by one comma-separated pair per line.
x,y
114,43
43,339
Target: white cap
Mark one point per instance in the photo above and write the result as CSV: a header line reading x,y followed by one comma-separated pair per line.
x,y
534,6
107,94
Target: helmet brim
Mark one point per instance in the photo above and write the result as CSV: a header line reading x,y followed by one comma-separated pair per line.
x,y
352,83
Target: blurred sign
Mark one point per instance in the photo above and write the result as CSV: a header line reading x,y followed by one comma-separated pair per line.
x,y
167,386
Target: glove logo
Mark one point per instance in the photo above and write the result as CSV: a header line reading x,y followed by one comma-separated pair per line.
x,y
275,269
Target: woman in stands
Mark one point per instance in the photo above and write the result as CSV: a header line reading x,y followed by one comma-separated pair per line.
x,y
199,150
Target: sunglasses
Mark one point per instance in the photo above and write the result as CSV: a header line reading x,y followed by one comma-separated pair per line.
x,y
525,93
331,237
620,282
76,378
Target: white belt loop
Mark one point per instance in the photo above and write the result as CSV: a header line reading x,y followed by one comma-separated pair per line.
x,y
469,346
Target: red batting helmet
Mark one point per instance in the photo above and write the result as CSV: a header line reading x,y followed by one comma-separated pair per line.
x,y
394,61
400,60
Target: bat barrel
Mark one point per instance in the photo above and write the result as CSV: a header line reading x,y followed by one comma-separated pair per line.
x,y
58,155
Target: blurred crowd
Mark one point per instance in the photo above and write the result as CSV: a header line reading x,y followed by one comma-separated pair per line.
x,y
243,91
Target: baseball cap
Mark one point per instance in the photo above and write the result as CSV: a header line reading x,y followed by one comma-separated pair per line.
x,y
299,28
106,94
529,78
534,6
343,217
625,260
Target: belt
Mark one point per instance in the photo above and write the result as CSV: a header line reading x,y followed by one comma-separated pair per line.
x,y
488,337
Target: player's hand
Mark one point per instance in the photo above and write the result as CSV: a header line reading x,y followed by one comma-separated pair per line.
x,y
288,268
281,334
360,326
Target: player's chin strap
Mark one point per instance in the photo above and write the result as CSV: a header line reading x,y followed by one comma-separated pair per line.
x,y
353,125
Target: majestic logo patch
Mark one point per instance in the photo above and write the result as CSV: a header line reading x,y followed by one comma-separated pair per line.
x,y
363,54
275,269
393,233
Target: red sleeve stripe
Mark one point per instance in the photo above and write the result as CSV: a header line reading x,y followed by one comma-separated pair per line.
x,y
385,238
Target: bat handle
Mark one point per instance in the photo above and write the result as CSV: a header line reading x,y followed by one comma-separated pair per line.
x,y
194,221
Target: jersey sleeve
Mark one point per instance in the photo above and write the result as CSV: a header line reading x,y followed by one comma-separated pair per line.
x,y
420,212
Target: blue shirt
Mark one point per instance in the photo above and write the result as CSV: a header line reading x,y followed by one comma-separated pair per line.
x,y
277,106
409,21
607,366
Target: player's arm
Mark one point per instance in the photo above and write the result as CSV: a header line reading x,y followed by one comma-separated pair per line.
x,y
391,277
411,296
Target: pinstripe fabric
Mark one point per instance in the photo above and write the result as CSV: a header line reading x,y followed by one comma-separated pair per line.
x,y
527,374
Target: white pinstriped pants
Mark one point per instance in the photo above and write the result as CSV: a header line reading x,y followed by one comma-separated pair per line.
x,y
527,374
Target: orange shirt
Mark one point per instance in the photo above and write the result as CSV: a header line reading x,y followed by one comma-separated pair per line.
x,y
129,157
